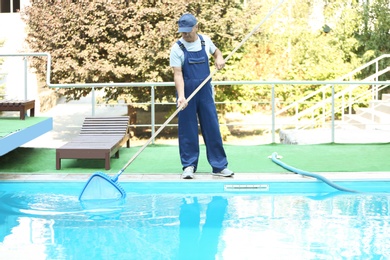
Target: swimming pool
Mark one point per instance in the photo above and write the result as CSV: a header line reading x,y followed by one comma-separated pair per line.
x,y
196,220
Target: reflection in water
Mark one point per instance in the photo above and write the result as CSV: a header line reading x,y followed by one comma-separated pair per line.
x,y
208,245
168,226
7,223
189,229
196,244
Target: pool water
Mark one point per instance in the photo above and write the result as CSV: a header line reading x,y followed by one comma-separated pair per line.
x,y
46,221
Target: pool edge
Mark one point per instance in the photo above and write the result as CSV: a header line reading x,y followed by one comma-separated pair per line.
x,y
282,177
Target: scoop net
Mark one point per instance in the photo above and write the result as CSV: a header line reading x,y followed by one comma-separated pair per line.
x,y
101,186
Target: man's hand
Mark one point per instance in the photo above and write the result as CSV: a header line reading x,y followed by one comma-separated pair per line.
x,y
182,101
219,60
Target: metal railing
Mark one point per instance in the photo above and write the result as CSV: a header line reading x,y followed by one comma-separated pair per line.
x,y
273,85
340,101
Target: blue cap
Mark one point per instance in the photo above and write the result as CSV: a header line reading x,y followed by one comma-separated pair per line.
x,y
186,23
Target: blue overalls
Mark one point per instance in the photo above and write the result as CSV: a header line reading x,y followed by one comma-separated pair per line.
x,y
195,70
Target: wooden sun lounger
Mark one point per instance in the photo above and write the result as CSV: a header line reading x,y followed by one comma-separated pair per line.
x,y
18,105
99,138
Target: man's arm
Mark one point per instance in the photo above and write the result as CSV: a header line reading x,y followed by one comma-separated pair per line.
x,y
179,84
219,60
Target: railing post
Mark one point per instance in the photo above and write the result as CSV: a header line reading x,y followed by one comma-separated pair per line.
x,y
93,101
296,115
273,112
312,121
25,77
332,113
376,70
323,107
152,110
343,106
350,104
375,94
376,79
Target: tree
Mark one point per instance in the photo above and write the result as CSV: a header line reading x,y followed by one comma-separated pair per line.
x,y
129,41
121,41
118,41
291,47
373,33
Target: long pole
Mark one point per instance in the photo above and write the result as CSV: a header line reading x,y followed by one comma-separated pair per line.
x,y
196,91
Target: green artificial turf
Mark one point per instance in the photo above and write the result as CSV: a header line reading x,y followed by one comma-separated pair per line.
x,y
164,159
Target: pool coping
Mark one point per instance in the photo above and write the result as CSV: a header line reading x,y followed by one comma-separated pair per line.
x,y
277,177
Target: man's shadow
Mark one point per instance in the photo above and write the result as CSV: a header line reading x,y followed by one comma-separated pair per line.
x,y
197,242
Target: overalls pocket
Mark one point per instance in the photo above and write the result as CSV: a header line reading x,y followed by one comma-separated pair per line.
x,y
196,60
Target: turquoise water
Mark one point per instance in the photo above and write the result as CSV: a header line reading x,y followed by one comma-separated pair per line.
x,y
194,221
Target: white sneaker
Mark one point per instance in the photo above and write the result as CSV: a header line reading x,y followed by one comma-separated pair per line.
x,y
188,173
224,173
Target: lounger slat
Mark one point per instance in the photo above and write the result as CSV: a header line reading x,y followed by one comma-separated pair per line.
x,y
108,127
101,133
97,138
103,130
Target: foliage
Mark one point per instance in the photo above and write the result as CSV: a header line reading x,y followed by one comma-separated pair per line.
x,y
129,41
374,32
117,41
296,46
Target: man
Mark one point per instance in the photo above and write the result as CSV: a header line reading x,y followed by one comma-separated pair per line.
x,y
189,59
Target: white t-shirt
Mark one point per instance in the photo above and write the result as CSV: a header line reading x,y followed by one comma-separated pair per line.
x,y
177,55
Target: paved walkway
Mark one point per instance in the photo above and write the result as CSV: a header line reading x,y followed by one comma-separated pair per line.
x,y
67,120
69,116
318,136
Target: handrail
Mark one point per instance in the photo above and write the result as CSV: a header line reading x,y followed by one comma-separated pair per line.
x,y
348,75
341,107
372,80
367,64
